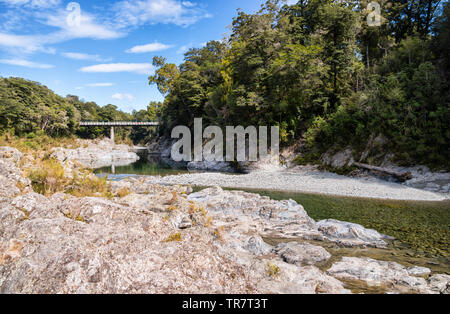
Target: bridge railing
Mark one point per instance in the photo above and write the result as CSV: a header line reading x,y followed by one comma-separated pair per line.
x,y
118,123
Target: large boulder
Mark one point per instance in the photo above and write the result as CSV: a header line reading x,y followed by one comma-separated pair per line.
x,y
339,160
392,276
350,234
97,154
302,253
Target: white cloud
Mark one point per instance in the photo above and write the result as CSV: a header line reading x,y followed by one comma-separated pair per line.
x,y
140,68
26,63
33,3
88,28
156,46
140,12
120,96
25,43
100,84
50,14
83,56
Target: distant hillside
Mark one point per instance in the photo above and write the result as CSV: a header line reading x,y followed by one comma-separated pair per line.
x,y
29,108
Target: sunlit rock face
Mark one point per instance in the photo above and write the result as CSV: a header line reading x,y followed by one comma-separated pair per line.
x,y
97,154
393,276
162,239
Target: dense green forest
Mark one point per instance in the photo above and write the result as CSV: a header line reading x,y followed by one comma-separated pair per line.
x,y
317,70
28,109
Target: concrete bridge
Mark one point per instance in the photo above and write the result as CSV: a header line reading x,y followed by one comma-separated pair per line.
x,y
114,124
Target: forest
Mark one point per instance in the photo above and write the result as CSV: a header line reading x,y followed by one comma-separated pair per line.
x,y
325,77
29,109
315,68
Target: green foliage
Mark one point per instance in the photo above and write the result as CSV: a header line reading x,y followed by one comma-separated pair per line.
x,y
30,110
323,76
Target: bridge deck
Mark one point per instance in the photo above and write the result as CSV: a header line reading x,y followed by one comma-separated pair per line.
x,y
118,123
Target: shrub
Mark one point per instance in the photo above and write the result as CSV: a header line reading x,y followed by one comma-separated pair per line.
x,y
273,270
48,177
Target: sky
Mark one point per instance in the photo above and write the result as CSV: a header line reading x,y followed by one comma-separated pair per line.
x,y
102,50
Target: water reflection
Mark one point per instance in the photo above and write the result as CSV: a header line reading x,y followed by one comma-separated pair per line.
x,y
150,165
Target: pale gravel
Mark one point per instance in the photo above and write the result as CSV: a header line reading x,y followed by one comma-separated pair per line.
x,y
306,181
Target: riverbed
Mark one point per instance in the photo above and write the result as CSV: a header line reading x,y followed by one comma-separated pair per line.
x,y
418,219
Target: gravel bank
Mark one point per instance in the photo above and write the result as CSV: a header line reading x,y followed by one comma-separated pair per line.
x,y
306,181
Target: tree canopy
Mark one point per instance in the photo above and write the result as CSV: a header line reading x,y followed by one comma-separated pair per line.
x,y
321,73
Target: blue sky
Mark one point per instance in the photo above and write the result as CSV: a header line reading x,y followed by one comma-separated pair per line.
x,y
104,52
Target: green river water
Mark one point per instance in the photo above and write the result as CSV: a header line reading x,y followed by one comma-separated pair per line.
x,y
421,229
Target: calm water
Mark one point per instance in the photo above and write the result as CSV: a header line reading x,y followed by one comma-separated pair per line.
x,y
147,165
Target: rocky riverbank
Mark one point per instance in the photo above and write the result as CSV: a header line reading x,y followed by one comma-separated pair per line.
x,y
97,154
148,238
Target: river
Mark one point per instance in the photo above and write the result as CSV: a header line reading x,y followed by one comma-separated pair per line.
x,y
421,228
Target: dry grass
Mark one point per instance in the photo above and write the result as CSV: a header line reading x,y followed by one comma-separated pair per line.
x,y
176,237
37,144
48,177
123,192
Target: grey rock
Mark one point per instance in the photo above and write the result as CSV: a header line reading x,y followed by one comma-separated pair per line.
x,y
97,154
350,234
391,275
216,166
339,160
302,253
257,246
185,223
418,271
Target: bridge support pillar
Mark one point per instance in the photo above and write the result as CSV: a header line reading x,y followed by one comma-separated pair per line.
x,y
112,134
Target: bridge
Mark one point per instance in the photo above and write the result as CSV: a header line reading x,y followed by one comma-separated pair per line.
x,y
113,124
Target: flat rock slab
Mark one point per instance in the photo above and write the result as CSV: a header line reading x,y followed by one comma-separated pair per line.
x,y
302,253
393,276
350,234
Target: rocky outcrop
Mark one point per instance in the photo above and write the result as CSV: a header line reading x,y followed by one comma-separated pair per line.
x,y
98,154
394,277
338,160
160,239
217,166
302,253
350,234
11,180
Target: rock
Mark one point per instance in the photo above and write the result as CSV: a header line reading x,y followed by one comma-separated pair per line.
x,y
350,234
156,239
12,252
257,246
185,223
10,154
216,166
10,175
418,271
301,253
98,246
440,284
393,276
292,279
97,155
270,163
257,214
339,160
